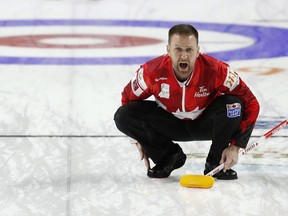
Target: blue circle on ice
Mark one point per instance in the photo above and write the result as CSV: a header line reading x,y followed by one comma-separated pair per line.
x,y
269,42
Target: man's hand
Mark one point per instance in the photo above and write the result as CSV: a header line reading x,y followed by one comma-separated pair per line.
x,y
229,157
143,154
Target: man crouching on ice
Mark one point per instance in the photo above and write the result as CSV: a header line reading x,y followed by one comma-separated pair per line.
x,y
197,97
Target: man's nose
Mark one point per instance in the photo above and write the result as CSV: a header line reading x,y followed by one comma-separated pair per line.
x,y
183,55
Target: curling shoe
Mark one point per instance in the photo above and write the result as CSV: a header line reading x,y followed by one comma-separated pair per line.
x,y
228,175
169,163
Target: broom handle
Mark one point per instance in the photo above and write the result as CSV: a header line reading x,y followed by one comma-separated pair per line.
x,y
251,146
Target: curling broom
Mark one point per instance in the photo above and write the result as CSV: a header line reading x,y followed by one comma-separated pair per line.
x,y
207,181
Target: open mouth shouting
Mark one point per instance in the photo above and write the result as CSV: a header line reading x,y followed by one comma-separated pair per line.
x,y
183,66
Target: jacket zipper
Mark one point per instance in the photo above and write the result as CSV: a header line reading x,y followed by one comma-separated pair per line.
x,y
183,98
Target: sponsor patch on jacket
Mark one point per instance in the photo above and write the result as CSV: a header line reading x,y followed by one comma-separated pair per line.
x,y
138,84
233,110
232,79
165,91
203,92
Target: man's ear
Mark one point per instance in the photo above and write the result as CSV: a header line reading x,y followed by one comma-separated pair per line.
x,y
168,49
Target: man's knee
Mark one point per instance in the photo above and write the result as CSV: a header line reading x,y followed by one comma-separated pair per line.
x,y
232,99
230,106
121,116
127,114
234,107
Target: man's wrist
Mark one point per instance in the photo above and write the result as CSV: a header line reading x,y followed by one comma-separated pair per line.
x,y
235,147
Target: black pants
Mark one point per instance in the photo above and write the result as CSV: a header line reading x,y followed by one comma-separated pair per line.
x,y
156,129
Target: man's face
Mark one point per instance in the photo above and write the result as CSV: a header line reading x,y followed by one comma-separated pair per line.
x,y
183,50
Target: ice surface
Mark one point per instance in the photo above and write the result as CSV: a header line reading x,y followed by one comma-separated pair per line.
x,y
60,152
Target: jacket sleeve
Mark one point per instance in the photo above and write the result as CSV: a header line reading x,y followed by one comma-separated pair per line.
x,y
231,83
137,88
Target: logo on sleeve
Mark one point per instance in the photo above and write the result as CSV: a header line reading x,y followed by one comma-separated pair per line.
x,y
138,84
233,110
165,91
232,79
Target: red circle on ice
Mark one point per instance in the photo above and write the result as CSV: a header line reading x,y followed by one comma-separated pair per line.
x,y
101,41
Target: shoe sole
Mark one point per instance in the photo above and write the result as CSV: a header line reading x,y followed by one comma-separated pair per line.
x,y
223,178
179,162
228,178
